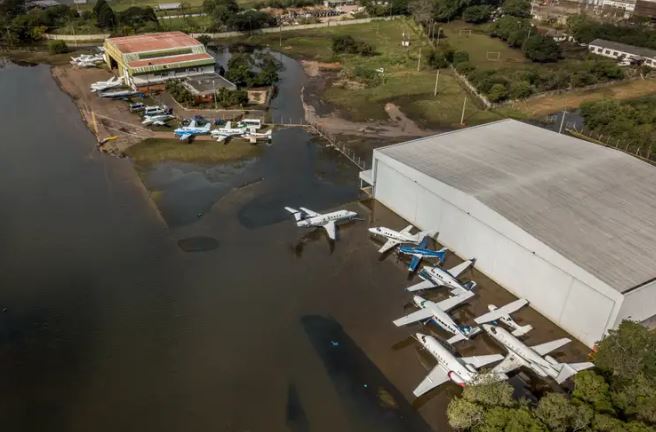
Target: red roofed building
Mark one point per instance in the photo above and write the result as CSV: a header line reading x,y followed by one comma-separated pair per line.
x,y
147,61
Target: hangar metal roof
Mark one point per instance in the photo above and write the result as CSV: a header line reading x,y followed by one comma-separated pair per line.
x,y
594,205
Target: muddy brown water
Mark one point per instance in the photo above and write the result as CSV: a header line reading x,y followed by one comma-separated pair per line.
x,y
107,324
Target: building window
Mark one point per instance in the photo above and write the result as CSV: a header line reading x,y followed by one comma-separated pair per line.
x,y
606,51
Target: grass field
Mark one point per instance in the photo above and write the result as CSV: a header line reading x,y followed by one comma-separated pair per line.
x,y
482,48
156,150
404,85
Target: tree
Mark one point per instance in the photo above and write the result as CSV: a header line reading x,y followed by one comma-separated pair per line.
x,y
556,412
422,10
137,17
345,44
249,20
477,14
464,414
511,420
221,10
497,93
105,17
228,98
12,8
592,388
541,49
437,60
517,8
520,89
57,47
627,351
490,393
460,57
512,29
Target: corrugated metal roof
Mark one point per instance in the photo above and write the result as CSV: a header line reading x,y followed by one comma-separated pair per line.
x,y
153,42
594,205
617,46
170,60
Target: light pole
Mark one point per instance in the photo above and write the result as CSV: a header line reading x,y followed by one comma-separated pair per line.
x,y
214,87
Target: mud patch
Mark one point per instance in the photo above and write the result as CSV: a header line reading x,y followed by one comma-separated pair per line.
x,y
198,244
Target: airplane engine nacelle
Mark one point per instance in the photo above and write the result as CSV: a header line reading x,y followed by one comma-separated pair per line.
x,y
456,378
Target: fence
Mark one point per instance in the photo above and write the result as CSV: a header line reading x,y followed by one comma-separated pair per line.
x,y
343,149
77,37
625,146
463,79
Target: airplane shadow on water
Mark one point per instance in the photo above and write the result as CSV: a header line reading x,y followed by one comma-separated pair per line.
x,y
297,420
369,399
312,235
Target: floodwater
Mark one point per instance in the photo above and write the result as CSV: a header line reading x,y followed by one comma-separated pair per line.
x,y
220,316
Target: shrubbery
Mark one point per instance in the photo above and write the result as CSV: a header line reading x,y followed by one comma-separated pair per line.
x,y
230,98
586,29
57,47
347,45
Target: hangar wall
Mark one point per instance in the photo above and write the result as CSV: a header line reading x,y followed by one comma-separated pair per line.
x,y
577,302
639,303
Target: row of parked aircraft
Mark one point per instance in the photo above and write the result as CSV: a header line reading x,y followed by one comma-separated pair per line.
x,y
460,370
247,129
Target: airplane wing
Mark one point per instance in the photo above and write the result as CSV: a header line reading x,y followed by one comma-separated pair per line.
x,y
509,364
435,378
406,230
185,136
414,263
415,316
457,270
547,347
454,301
158,123
483,360
389,244
309,212
421,286
502,311
221,138
330,229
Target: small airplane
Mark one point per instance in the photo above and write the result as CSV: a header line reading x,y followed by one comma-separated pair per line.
x,y
252,137
227,132
438,313
434,277
520,354
503,314
397,237
307,218
157,120
421,251
113,82
460,370
186,132
119,94
87,60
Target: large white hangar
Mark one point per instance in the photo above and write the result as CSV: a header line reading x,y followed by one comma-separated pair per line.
x,y
567,224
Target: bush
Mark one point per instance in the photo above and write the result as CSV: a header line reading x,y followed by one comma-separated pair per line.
x,y
465,67
367,75
520,90
57,47
477,14
204,39
437,60
229,98
345,44
497,93
460,57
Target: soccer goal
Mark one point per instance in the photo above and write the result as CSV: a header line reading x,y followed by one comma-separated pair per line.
x,y
464,32
493,55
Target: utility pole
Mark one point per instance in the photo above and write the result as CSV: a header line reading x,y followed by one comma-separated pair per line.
x,y
214,87
419,61
437,78
438,36
462,117
562,122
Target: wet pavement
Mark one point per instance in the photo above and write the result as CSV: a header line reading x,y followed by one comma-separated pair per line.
x,y
115,318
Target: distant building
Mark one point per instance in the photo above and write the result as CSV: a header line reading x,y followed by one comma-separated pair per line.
x,y
169,6
204,87
147,61
80,2
41,4
621,51
335,3
646,8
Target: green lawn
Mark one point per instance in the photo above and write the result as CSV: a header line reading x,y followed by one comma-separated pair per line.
x,y
482,48
408,88
156,150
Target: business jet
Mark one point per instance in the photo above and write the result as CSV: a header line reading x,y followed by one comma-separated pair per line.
x,y
503,314
397,237
306,218
520,354
434,277
421,251
438,313
460,370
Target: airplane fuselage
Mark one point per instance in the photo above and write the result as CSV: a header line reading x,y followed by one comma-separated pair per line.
x,y
533,360
321,220
394,235
440,277
441,318
421,252
456,371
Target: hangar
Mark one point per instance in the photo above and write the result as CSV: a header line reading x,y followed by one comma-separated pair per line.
x,y
567,224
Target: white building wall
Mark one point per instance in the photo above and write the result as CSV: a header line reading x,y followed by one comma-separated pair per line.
x,y
639,304
562,292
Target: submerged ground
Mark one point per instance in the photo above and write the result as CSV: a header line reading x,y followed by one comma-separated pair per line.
x,y
109,323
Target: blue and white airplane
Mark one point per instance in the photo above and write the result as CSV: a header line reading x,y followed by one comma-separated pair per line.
x,y
186,132
434,277
421,251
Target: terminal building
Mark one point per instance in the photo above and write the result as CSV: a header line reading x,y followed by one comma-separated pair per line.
x,y
147,61
619,51
567,224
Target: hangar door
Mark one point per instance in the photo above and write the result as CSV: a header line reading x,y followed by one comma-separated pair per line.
x,y
395,191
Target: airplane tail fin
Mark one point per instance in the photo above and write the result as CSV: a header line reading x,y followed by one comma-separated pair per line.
x,y
441,254
569,369
471,285
521,331
296,213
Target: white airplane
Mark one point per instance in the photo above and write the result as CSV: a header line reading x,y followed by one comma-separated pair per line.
x,y
113,82
435,276
460,370
186,132
226,132
397,237
520,354
87,60
157,120
307,218
503,314
252,137
438,312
